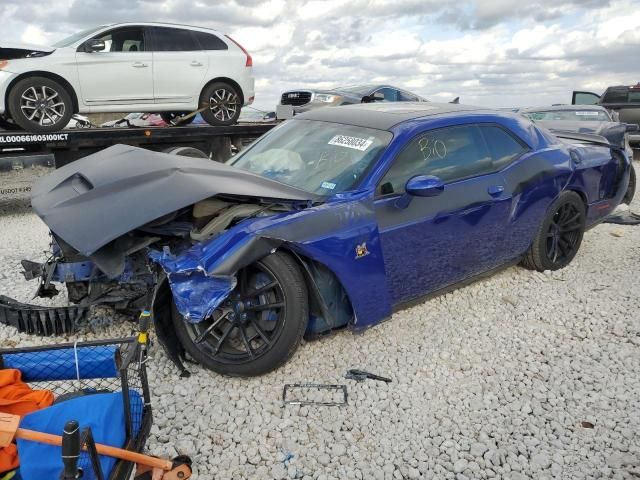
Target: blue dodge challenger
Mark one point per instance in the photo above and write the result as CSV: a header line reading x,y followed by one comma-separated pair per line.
x,y
333,219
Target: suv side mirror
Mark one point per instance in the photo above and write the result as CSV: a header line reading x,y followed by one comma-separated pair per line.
x,y
94,45
420,186
632,127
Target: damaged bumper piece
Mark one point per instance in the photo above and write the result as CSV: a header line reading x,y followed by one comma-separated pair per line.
x,y
45,321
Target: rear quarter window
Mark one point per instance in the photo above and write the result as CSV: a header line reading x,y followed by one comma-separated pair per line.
x,y
209,41
503,146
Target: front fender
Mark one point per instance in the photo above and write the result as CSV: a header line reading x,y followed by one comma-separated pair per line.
x,y
341,234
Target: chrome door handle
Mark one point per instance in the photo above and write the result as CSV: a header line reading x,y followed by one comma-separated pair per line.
x,y
139,65
195,63
495,190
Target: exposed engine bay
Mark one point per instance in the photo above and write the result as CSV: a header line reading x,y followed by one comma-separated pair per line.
x,y
130,274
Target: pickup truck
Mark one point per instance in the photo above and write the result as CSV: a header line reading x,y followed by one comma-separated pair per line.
x,y
622,99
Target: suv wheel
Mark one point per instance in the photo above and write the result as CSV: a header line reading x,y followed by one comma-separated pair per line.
x,y
223,102
39,104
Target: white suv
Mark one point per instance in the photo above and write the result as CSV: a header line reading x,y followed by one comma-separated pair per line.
x,y
141,67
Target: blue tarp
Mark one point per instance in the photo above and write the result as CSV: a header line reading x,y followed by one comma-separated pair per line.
x,y
93,362
103,412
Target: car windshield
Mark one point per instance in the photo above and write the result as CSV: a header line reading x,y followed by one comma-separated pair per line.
x,y
570,115
76,37
357,89
319,157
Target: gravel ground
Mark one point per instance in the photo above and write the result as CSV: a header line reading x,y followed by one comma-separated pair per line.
x,y
522,375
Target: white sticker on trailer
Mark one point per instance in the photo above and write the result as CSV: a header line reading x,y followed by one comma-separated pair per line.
x,y
351,142
587,112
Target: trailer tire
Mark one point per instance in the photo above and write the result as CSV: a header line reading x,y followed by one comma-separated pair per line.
x,y
47,102
223,104
187,152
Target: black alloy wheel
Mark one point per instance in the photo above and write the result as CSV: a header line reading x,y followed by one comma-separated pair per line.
x,y
560,235
564,234
258,327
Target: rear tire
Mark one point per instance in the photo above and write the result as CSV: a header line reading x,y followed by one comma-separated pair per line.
x,y
219,342
169,117
39,104
223,104
560,235
631,189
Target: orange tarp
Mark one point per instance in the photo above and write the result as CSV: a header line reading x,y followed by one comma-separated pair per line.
x,y
17,398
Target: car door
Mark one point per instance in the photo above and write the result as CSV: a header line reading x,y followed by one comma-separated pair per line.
x,y
437,241
120,74
585,98
180,65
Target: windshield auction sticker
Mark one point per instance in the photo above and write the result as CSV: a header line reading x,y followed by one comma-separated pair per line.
x,y
587,112
351,142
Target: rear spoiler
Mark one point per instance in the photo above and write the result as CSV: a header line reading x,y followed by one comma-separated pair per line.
x,y
583,138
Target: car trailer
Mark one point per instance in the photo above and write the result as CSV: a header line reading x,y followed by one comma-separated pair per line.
x,y
25,156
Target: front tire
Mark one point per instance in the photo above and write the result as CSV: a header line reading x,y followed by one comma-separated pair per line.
x,y
223,104
39,104
559,236
258,327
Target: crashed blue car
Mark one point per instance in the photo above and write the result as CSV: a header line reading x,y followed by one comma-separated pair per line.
x,y
334,219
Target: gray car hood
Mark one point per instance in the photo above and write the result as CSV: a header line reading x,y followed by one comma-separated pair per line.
x,y
95,200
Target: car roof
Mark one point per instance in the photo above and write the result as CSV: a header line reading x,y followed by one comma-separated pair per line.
x,y
382,115
157,24
561,108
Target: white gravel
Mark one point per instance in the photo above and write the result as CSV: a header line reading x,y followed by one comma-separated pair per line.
x,y
493,380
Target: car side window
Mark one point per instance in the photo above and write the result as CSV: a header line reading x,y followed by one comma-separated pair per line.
x,y
209,41
504,148
406,97
390,94
615,95
167,39
451,154
128,39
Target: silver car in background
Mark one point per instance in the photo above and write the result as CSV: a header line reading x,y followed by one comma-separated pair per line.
x,y
293,102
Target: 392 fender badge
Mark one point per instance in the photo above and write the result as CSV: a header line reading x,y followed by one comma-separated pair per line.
x,y
361,250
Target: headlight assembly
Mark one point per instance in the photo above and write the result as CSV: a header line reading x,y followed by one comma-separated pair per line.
x,y
326,98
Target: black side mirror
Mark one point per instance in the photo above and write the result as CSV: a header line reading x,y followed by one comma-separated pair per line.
x,y
374,97
94,45
632,127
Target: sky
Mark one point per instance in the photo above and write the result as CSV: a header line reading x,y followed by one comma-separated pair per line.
x,y
497,53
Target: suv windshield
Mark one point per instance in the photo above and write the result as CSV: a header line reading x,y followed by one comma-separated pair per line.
x,y
76,37
319,157
356,89
570,115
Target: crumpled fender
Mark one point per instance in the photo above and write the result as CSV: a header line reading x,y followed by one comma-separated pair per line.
x,y
203,276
